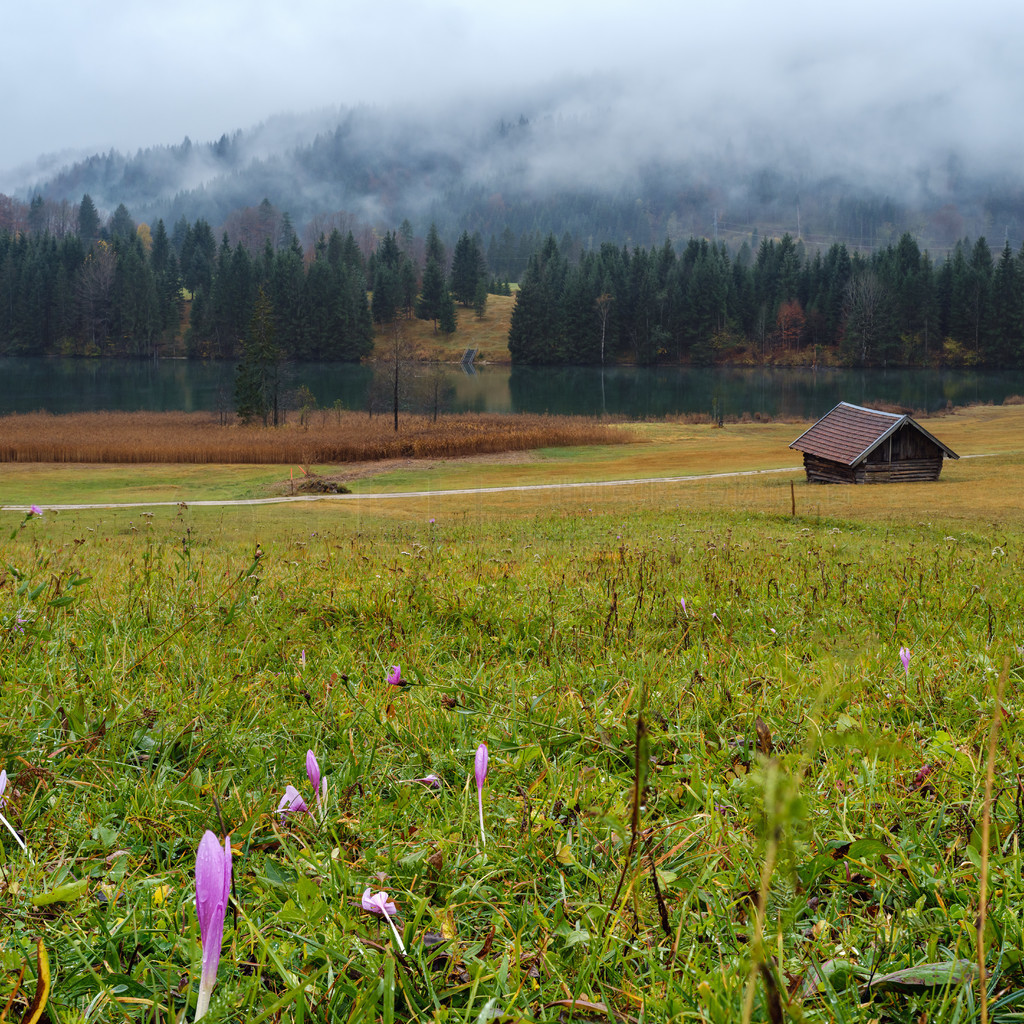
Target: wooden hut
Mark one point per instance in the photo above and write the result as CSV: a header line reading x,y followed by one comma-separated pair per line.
x,y
854,445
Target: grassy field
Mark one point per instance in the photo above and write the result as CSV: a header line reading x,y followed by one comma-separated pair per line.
x,y
743,807
487,334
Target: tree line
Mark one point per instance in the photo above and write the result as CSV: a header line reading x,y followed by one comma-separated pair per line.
x,y
772,301
71,284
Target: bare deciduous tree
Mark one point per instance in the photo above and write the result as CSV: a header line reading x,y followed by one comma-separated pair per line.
x,y
867,317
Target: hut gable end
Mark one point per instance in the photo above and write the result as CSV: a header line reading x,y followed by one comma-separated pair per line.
x,y
852,444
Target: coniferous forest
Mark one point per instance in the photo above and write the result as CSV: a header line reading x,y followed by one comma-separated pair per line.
x,y
73,285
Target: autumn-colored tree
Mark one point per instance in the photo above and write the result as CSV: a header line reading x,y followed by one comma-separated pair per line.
x,y
790,323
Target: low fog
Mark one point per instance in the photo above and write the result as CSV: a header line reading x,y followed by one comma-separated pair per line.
x,y
907,100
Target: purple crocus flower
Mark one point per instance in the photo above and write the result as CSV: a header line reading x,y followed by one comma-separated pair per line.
x,y
313,773
905,658
395,676
433,781
682,601
34,510
213,886
378,903
3,800
292,802
481,775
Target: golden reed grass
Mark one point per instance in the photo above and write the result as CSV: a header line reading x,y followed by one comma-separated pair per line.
x,y
199,437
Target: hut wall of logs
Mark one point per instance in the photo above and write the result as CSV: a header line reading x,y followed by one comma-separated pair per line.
x,y
854,445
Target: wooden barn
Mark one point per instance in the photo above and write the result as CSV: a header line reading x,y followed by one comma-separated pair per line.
x,y
854,445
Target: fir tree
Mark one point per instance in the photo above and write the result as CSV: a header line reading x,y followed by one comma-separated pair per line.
x,y
433,293
448,318
88,221
468,266
480,298
258,381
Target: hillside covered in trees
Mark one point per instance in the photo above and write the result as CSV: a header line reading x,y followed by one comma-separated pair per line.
x,y
563,165
773,301
78,286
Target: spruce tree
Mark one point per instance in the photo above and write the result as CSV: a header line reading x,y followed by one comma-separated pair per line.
x,y
448,318
258,381
434,247
468,266
88,221
480,298
433,292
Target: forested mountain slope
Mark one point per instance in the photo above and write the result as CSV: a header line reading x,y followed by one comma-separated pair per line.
x,y
484,169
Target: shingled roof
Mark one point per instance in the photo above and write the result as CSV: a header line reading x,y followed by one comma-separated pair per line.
x,y
850,433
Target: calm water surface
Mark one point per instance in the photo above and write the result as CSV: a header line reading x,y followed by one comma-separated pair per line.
x,y
636,393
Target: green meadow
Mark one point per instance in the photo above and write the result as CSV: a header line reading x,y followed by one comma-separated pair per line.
x,y
715,791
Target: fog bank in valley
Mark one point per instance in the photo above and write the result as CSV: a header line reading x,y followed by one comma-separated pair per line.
x,y
420,110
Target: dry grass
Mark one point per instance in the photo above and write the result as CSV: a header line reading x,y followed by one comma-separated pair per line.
x,y
488,335
180,437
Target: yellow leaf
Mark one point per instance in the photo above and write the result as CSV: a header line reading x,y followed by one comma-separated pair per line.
x,y
564,854
38,1004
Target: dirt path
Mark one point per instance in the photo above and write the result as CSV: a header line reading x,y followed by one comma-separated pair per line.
x,y
398,495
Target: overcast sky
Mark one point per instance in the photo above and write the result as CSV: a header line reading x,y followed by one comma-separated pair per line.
x,y
860,79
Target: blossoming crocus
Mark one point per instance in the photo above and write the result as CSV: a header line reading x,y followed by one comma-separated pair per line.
x,y
292,802
395,676
481,775
905,658
3,800
213,886
313,773
378,903
682,601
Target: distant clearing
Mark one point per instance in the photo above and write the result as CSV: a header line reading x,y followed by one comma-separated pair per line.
x,y
487,334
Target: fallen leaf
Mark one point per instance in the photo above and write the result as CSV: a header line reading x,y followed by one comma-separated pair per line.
x,y
923,976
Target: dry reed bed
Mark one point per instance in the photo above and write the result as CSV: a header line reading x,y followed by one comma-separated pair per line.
x,y
183,437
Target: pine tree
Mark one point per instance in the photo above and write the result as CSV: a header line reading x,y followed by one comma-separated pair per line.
x,y
468,266
1007,310
121,223
88,221
535,332
434,247
448,319
390,281
433,292
258,381
480,298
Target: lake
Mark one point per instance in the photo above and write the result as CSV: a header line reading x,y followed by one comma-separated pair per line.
x,y
72,385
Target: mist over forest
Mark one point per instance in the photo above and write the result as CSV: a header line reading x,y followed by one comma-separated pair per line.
x,y
588,158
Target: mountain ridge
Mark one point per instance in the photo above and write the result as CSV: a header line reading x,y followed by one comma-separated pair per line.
x,y
560,165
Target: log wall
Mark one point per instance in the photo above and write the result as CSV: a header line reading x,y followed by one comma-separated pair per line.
x,y
822,471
